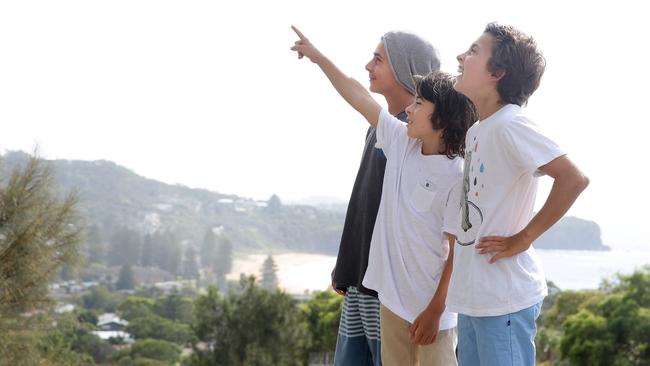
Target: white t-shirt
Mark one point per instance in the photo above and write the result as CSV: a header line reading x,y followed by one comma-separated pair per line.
x,y
409,249
502,159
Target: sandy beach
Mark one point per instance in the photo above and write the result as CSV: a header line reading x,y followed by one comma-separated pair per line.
x,y
297,272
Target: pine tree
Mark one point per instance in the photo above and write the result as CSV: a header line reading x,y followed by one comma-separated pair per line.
x,y
167,252
190,265
96,252
146,259
249,327
269,274
274,204
125,247
39,233
223,264
126,280
209,250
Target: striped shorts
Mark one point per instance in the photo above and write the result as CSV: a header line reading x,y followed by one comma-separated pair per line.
x,y
358,341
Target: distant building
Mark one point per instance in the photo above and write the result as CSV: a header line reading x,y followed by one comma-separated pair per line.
x,y
111,322
72,287
112,326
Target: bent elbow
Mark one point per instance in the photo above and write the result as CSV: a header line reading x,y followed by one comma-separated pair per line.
x,y
580,183
585,182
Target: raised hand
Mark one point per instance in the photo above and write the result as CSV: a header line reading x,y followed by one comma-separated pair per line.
x,y
304,47
351,90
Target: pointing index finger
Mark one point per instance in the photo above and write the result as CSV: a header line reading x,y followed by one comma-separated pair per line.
x,y
299,33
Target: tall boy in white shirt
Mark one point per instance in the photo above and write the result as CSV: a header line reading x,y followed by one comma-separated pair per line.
x,y
498,284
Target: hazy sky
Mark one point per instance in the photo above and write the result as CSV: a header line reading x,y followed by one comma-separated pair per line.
x,y
207,93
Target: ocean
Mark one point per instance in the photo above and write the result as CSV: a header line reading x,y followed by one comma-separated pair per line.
x,y
568,269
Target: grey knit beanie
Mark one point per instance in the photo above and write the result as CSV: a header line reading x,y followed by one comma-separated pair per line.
x,y
410,55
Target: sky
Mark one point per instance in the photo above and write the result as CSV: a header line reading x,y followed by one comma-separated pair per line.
x,y
208,95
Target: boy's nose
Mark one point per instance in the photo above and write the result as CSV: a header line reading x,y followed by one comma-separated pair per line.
x,y
368,68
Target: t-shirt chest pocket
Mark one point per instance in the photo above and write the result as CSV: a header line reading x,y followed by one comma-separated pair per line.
x,y
423,194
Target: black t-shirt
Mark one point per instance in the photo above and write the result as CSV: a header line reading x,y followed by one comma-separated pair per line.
x,y
352,259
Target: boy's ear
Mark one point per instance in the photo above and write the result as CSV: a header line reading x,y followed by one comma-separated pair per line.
x,y
497,75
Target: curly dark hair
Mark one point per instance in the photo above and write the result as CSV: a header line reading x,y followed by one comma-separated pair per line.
x,y
453,112
517,54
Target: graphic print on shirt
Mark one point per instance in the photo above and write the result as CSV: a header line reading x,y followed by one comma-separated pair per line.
x,y
471,215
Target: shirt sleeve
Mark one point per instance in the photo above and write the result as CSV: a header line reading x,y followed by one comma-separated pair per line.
x,y
451,211
389,130
527,147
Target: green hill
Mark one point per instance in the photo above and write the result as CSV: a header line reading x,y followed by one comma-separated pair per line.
x,y
114,196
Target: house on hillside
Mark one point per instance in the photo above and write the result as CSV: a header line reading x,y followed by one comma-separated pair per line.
x,y
111,322
111,328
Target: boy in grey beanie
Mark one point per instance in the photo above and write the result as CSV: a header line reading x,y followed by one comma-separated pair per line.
x,y
409,55
398,57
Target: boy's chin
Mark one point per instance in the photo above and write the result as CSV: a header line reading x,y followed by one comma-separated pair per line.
x,y
377,88
462,90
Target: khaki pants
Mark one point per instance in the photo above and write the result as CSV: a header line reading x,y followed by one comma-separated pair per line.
x,y
398,350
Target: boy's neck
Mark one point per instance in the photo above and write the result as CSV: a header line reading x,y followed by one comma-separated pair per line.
x,y
433,145
398,101
487,106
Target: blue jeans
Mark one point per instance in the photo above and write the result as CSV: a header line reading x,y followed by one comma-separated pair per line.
x,y
505,340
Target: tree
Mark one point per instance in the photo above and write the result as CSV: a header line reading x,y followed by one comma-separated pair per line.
x,y
126,280
142,352
274,204
606,327
587,340
156,327
209,249
568,303
636,286
87,316
167,251
321,316
39,233
37,341
269,274
99,298
68,272
75,334
223,264
174,307
125,247
96,251
135,307
190,264
146,260
248,327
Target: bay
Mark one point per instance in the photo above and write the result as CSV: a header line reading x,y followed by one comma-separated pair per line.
x,y
568,269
